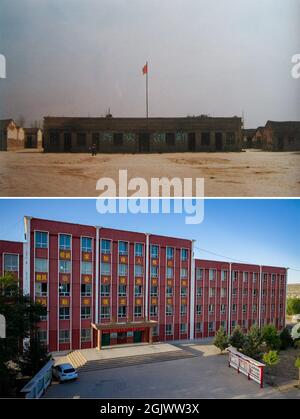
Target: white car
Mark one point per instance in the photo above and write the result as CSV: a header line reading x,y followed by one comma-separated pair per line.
x,y
64,372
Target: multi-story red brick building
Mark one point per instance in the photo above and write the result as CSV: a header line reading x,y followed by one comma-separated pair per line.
x,y
103,286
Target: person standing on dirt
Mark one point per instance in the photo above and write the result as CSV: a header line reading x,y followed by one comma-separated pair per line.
x,y
94,151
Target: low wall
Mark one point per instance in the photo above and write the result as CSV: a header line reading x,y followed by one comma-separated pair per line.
x,y
39,383
253,369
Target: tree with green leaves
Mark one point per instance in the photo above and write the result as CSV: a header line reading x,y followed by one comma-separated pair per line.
x,y
221,339
252,343
293,306
237,339
271,337
297,365
286,340
22,316
271,359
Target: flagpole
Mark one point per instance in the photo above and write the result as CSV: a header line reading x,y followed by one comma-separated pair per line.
x,y
147,96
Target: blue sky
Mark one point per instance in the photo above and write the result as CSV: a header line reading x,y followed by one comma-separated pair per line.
x,y
218,57
257,231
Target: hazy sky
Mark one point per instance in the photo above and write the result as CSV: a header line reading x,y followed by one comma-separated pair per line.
x,y
218,57
255,231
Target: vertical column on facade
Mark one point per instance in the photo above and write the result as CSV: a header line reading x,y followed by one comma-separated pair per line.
x,y
73,140
97,295
61,141
284,297
260,296
212,137
229,299
89,140
26,257
147,278
192,293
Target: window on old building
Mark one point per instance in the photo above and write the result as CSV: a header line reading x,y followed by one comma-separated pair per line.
x,y
170,138
54,138
118,139
205,138
81,139
230,138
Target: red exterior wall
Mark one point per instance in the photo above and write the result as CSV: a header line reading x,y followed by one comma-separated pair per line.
x,y
215,291
246,291
15,248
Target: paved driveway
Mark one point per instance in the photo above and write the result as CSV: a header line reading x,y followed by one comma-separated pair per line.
x,y
204,376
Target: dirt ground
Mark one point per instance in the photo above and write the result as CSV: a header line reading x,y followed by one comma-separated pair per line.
x,y
250,173
285,371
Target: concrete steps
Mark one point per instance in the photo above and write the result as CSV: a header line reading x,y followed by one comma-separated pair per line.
x,y
76,359
134,360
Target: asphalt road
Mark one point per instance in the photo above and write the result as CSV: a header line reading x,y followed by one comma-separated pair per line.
x,y
204,376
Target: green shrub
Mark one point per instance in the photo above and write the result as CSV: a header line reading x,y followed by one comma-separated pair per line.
x,y
252,343
271,358
286,339
271,337
237,339
221,339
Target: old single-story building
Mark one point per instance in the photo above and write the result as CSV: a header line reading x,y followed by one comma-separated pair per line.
x,y
11,135
33,138
142,135
281,136
257,140
248,135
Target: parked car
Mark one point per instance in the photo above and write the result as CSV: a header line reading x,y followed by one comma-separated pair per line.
x,y
64,372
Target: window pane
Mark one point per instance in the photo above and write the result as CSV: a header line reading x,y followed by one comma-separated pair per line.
x,y
64,266
11,263
65,242
105,268
41,265
41,240
138,249
86,244
154,251
123,248
105,246
87,268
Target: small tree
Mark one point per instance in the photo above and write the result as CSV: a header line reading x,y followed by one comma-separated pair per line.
x,y
221,339
22,317
271,358
34,357
252,343
286,339
271,337
237,339
297,365
293,306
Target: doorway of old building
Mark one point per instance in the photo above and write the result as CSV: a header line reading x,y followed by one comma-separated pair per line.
x,y
29,141
144,143
191,141
67,141
280,143
219,141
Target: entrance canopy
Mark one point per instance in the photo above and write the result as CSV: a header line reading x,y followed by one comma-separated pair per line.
x,y
114,327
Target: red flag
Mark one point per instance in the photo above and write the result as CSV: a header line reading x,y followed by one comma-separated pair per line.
x,y
145,69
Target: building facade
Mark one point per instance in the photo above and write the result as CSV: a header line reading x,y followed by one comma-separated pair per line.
x,y
281,136
11,135
142,135
123,287
33,138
